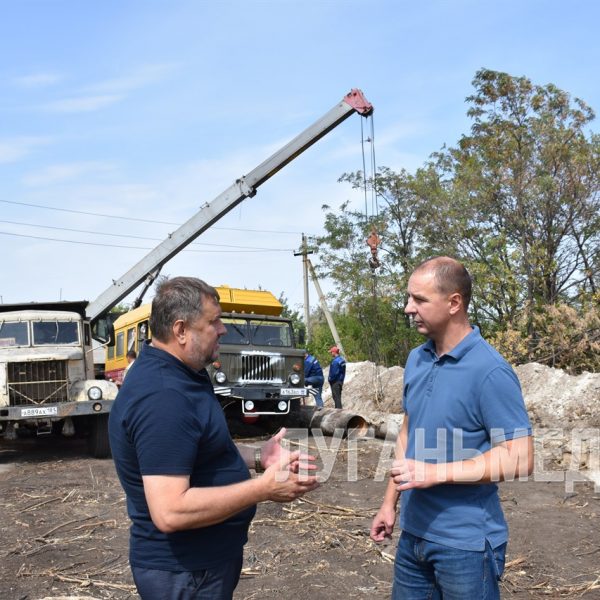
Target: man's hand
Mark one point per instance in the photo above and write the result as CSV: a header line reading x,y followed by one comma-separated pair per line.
x,y
283,484
383,523
408,473
273,453
505,461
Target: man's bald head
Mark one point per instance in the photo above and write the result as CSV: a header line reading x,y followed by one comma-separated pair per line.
x,y
450,276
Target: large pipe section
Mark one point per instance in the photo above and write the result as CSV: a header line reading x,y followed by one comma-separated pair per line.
x,y
382,426
328,420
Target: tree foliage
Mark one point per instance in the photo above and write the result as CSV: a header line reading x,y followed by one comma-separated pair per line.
x,y
526,180
564,337
517,200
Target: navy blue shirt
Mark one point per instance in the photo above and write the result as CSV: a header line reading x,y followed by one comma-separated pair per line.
x,y
458,406
337,369
166,420
312,368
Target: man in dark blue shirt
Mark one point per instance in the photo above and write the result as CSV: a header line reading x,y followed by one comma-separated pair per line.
x,y
189,493
313,375
465,429
337,374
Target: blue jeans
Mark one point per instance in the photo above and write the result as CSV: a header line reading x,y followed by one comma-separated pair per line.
x,y
216,583
426,570
317,384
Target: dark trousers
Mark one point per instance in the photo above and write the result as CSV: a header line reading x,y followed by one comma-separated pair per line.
x,y
216,583
336,392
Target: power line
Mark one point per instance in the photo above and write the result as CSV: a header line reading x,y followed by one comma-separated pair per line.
x,y
139,237
139,219
35,237
83,212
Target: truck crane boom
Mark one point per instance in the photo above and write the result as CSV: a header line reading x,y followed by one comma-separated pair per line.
x,y
210,213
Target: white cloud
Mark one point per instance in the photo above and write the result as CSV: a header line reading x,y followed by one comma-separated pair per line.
x,y
37,80
146,75
401,131
63,172
83,103
99,95
14,149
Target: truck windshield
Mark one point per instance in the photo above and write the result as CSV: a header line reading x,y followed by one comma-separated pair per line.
x,y
269,333
46,333
237,331
13,334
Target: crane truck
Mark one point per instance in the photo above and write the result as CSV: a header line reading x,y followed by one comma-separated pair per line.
x,y
46,367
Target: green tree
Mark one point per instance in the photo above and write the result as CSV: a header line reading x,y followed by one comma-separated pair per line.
x,y
525,182
370,303
517,200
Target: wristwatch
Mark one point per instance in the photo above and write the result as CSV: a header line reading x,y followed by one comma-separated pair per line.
x,y
257,464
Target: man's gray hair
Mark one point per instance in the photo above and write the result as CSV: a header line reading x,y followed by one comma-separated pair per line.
x,y
180,298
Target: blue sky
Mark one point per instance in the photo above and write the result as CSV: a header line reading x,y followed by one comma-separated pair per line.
x,y
149,109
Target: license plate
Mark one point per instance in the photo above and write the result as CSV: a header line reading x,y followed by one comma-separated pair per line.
x,y
292,392
41,411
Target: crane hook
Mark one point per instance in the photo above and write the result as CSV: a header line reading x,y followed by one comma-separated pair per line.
x,y
373,242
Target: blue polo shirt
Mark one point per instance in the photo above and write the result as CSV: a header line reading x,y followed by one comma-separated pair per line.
x,y
458,406
166,420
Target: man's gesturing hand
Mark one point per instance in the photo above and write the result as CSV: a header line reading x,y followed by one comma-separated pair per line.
x,y
273,452
282,484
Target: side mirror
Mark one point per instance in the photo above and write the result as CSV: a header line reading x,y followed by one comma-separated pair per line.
x,y
103,330
301,336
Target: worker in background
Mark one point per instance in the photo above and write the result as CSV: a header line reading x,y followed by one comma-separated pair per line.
x,y
313,375
337,373
465,429
130,356
190,495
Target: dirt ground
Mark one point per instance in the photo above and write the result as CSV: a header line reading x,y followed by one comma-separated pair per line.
x,y
65,531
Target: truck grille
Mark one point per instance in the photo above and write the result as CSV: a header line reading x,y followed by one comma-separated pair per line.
x,y
257,368
37,382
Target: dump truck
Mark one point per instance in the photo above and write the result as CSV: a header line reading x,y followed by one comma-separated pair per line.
x,y
259,366
47,379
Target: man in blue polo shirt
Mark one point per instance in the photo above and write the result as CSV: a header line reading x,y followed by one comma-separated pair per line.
x,y
189,493
465,428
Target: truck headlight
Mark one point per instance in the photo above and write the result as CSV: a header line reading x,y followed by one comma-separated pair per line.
x,y
249,405
282,405
220,377
294,379
94,393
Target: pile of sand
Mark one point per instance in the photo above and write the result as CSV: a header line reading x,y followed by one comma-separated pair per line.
x,y
553,397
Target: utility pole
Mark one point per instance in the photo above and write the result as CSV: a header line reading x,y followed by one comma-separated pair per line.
x,y
304,252
328,316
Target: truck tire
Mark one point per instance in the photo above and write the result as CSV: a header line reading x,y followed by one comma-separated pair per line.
x,y
98,444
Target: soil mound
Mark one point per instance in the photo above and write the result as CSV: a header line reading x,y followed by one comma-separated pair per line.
x,y
553,397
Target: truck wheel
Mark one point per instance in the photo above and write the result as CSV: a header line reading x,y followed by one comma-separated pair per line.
x,y
98,444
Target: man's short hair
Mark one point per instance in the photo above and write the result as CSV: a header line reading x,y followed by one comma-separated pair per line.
x,y
131,354
450,276
180,298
